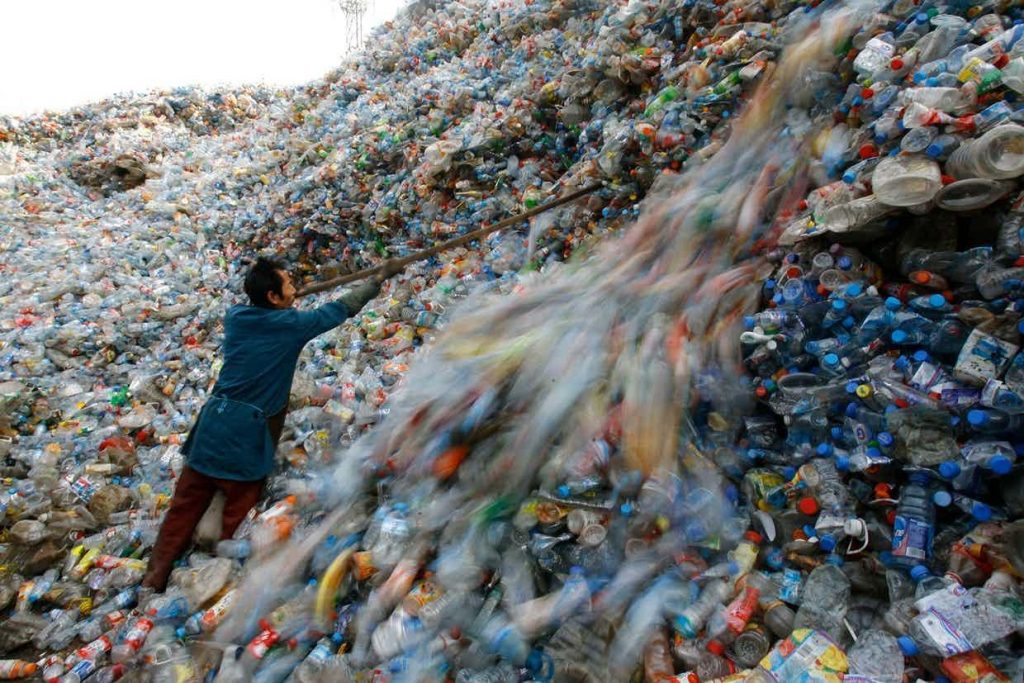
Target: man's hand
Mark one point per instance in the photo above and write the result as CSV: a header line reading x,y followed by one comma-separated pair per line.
x,y
388,269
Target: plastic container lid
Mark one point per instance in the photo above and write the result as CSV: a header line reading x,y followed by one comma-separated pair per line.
x,y
907,645
899,336
838,305
892,303
942,498
936,301
830,360
949,469
920,573
977,418
1000,464
981,512
807,506
827,543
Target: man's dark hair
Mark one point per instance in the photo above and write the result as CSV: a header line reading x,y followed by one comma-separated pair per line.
x,y
262,279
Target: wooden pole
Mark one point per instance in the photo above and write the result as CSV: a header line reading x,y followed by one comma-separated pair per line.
x,y
449,244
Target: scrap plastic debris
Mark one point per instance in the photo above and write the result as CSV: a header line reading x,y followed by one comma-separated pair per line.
x,y
762,426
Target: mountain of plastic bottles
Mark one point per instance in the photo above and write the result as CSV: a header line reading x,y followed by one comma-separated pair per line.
x,y
752,411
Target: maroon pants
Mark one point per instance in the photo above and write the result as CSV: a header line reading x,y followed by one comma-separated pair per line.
x,y
191,498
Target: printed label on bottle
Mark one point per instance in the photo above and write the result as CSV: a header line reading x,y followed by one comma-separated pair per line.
x,y
942,632
910,538
881,47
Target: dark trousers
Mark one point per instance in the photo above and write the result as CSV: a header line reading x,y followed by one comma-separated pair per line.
x,y
192,496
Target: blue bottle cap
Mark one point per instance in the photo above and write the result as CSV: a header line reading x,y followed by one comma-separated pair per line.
x,y
837,433
626,509
810,531
788,472
949,469
933,150
824,449
942,499
838,305
908,646
885,439
920,356
1000,464
749,322
844,263
981,512
842,463
977,418
181,633
855,289
830,360
919,573
849,322
851,409
892,303
899,337
851,387
936,301
827,543
873,452
563,491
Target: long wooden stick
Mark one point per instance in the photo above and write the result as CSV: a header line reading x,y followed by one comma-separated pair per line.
x,y
449,244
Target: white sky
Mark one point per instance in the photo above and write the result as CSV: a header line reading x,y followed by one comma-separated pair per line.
x,y
55,54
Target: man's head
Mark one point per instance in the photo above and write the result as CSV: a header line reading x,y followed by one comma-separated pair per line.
x,y
269,285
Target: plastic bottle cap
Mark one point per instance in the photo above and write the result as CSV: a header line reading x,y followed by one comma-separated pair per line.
x,y
949,469
885,439
907,645
809,531
942,498
977,418
892,303
919,573
865,391
827,543
899,336
824,449
855,289
563,491
920,356
883,491
936,301
753,537
830,360
981,512
716,648
807,506
842,463
838,305
1000,464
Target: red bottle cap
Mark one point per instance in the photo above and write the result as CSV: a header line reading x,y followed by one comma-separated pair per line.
x,y
716,647
807,506
753,537
868,151
896,64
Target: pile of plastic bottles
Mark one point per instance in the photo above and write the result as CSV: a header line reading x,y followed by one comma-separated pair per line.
x,y
769,433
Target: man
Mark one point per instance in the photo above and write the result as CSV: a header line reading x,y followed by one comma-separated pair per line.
x,y
231,446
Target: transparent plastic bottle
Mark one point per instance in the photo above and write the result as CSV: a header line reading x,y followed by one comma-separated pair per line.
x,y
906,180
996,154
877,655
824,601
914,527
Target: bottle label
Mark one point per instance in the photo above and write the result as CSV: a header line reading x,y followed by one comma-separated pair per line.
x,y
910,538
942,632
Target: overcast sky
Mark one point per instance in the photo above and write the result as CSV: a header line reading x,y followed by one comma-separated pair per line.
x,y
56,54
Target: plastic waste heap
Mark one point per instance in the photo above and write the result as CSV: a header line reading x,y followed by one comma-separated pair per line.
x,y
751,412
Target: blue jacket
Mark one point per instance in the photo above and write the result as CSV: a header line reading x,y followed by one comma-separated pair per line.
x,y
231,438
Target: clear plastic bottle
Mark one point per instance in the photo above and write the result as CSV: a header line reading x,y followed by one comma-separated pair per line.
x,y
996,155
906,180
914,527
877,655
692,619
824,601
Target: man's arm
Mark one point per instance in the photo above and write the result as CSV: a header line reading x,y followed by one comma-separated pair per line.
x,y
313,323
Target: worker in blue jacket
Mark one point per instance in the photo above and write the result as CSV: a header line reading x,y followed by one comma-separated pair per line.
x,y
232,443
